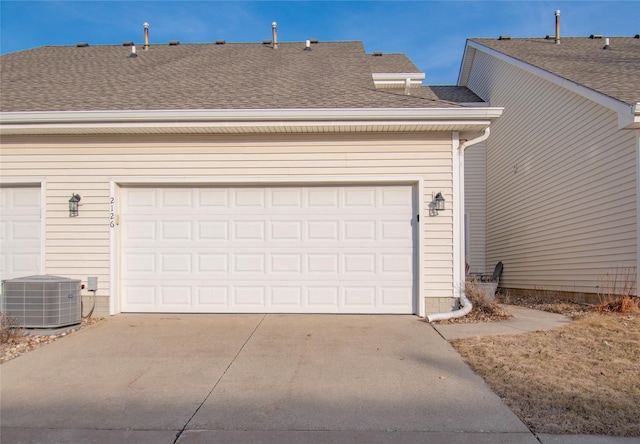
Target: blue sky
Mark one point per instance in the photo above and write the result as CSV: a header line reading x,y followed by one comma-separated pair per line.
x,y
431,33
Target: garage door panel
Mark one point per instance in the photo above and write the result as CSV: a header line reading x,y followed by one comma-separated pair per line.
x,y
175,263
139,230
176,230
323,298
269,266
285,230
248,297
285,297
213,298
310,249
285,263
394,197
360,197
359,296
395,296
248,230
212,230
176,295
286,198
20,231
216,263
249,263
139,198
140,297
328,263
139,262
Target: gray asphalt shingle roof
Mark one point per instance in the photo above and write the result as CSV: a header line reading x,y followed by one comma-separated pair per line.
x,y
391,63
614,72
204,76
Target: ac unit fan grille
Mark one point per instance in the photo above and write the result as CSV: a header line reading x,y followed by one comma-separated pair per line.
x,y
42,301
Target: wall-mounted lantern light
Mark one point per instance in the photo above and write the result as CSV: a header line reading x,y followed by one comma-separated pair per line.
x,y
438,202
73,205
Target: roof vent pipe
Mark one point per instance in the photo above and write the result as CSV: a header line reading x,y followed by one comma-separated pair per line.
x,y
557,26
146,36
133,52
307,45
274,32
606,44
407,86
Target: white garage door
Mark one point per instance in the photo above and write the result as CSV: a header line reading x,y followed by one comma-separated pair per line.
x,y
275,250
20,232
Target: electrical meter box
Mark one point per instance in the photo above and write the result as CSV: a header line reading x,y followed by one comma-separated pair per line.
x,y
92,283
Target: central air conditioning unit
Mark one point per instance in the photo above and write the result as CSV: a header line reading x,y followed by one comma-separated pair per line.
x,y
42,301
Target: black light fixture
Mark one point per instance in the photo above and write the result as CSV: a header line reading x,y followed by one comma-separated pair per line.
x,y
73,205
438,202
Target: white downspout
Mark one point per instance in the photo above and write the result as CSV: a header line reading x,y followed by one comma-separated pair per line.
x,y
460,265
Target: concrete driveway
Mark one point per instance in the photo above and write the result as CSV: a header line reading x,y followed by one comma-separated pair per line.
x,y
251,378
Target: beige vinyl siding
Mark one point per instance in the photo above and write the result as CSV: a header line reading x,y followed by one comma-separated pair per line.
x,y
561,183
474,206
80,247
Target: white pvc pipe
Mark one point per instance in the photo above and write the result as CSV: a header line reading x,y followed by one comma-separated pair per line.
x,y
465,310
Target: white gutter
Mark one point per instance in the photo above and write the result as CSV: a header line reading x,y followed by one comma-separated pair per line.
x,y
459,234
248,115
485,135
239,121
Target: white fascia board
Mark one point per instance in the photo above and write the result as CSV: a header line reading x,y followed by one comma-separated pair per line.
x,y
250,115
24,122
466,64
624,110
397,78
632,120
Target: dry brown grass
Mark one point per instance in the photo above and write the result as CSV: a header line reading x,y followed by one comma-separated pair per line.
x,y
580,379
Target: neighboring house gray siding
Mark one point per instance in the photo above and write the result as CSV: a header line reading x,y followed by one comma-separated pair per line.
x,y
475,208
561,191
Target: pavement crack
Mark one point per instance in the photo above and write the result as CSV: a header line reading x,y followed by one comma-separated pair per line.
x,y
179,434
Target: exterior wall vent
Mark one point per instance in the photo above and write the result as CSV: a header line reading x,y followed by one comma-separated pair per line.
x,y
42,301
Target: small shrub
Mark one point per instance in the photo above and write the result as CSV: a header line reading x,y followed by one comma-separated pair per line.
x,y
9,329
479,298
615,291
